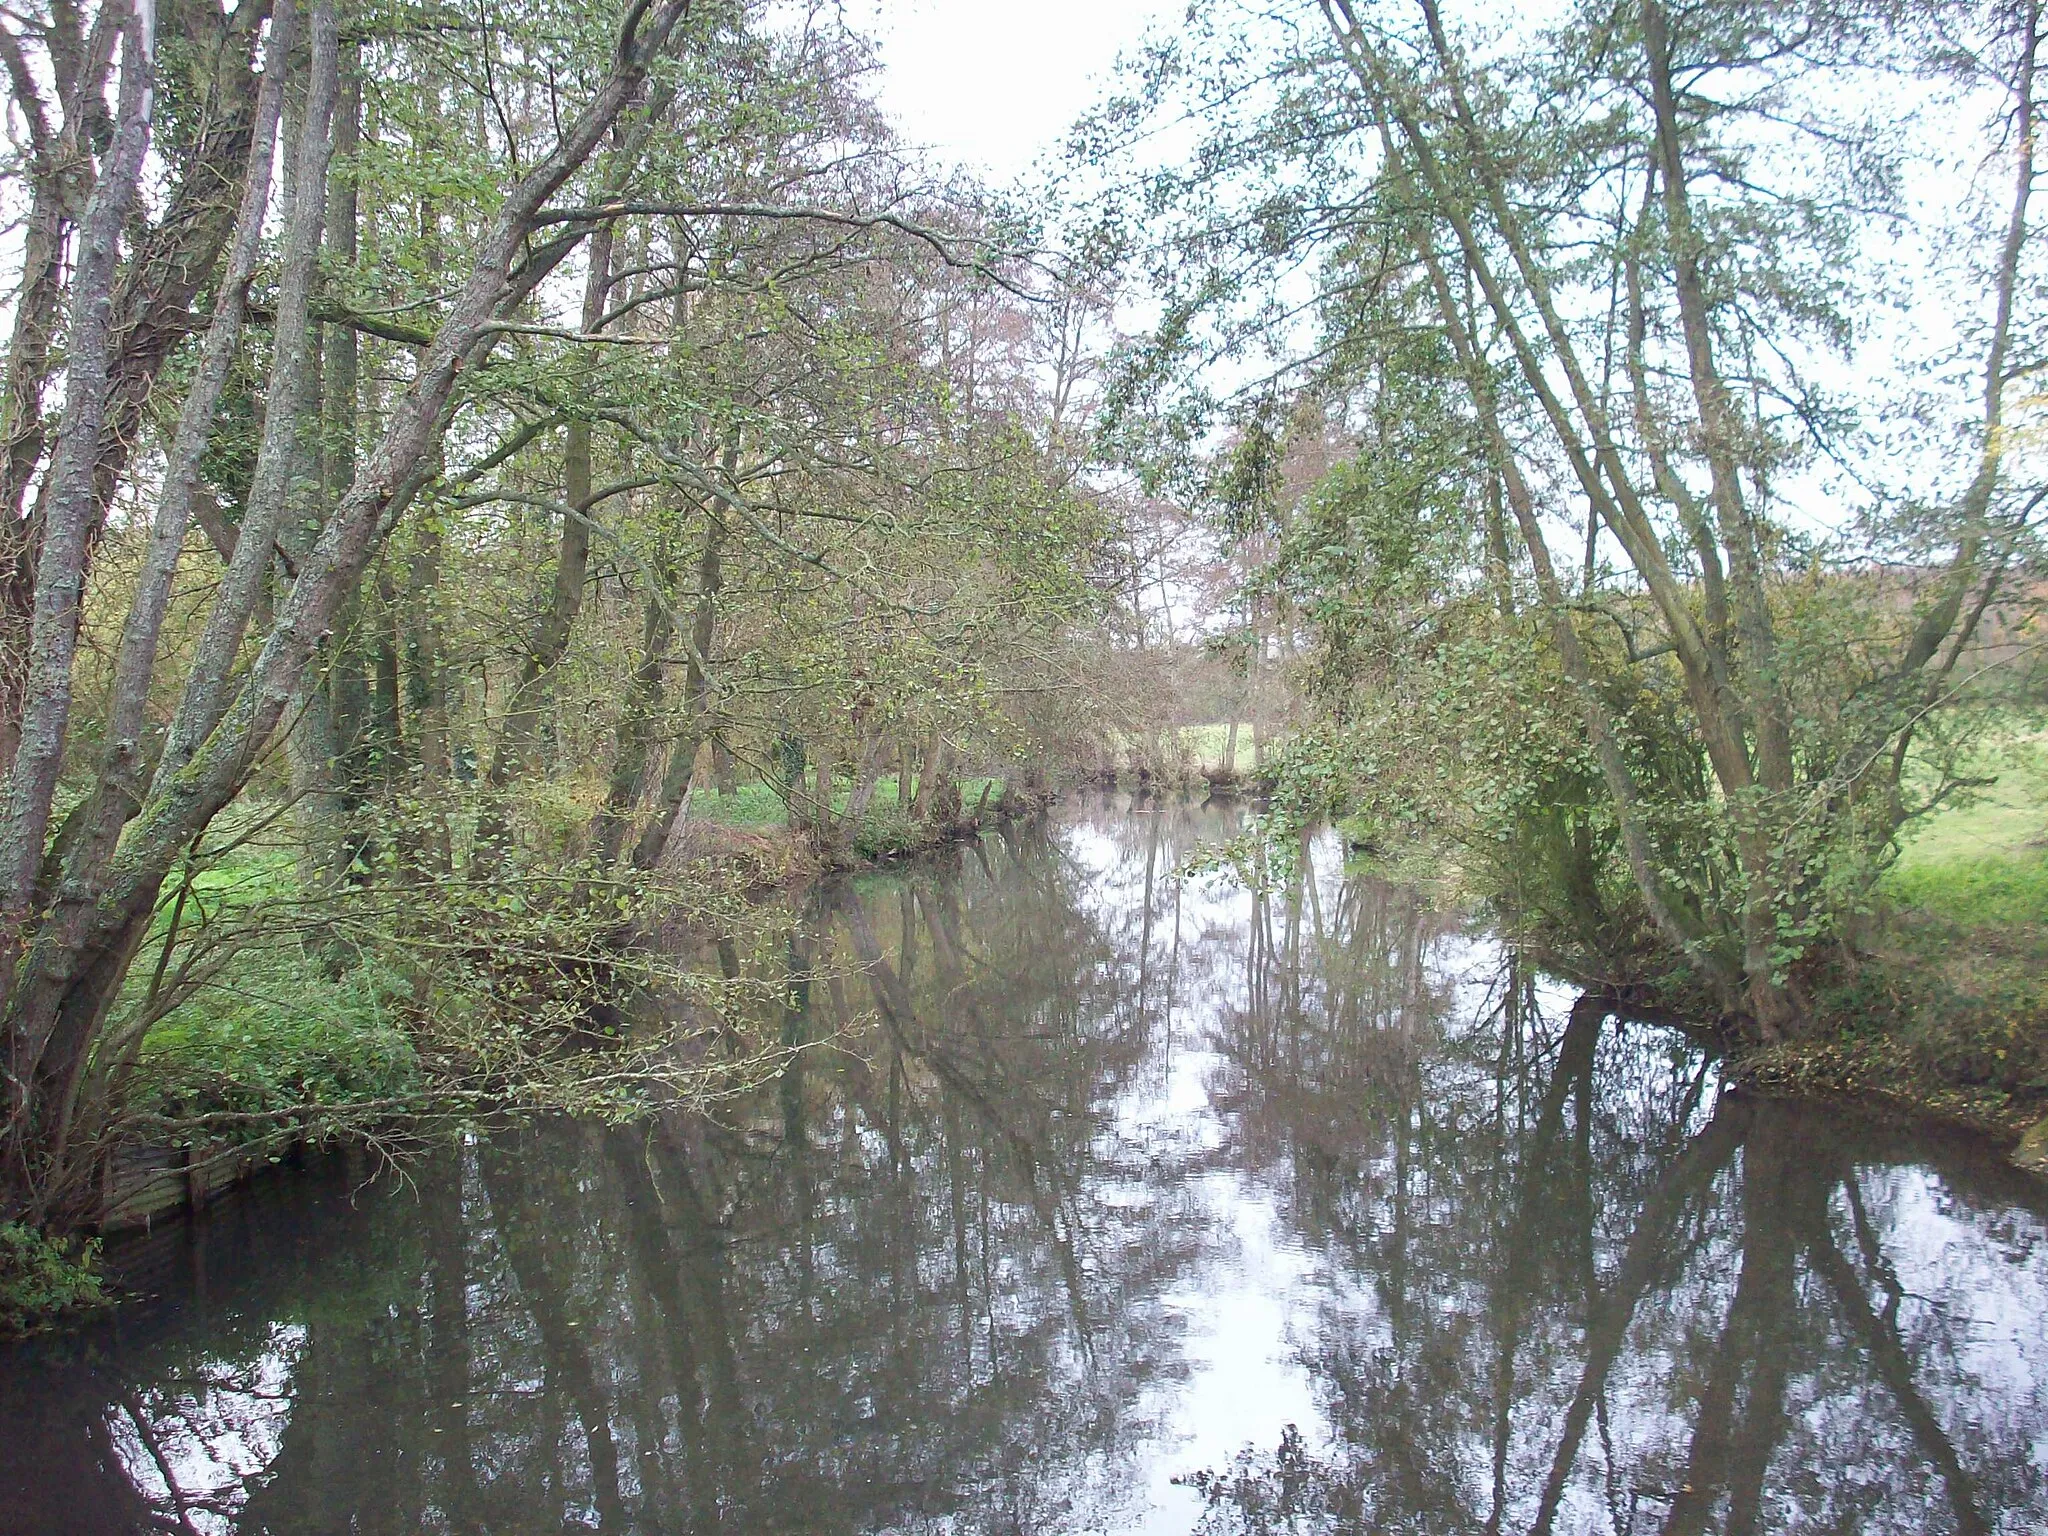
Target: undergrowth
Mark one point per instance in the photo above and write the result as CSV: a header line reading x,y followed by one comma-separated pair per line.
x,y
1948,1013
273,1032
43,1280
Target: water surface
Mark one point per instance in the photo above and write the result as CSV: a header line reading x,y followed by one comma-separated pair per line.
x,y
1100,1200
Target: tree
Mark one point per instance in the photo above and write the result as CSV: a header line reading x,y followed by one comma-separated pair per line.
x,y
1638,240
568,397
72,916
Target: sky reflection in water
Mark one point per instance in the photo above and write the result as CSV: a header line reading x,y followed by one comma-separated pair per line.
x,y
1118,1203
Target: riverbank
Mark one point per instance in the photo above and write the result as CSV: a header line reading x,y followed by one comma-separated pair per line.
x,y
306,1030
1125,1141
294,1043
1946,1023
1946,1015
1947,1019
1940,1013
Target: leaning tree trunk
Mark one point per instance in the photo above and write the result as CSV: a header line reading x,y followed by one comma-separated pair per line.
x,y
69,945
68,495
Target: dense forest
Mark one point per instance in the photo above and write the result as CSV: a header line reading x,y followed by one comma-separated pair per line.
x,y
484,492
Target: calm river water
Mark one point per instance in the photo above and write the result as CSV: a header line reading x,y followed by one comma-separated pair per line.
x,y
1105,1201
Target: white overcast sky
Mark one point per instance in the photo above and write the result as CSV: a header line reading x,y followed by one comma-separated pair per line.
x,y
993,84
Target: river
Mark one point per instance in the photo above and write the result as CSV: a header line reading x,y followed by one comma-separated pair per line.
x,y
1098,1200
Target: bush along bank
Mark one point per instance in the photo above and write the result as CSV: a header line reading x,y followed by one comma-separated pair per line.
x,y
377,1018
44,1281
1938,1010
1946,1018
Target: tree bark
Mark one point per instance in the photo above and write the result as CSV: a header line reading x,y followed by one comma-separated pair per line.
x,y
652,846
206,693
549,642
120,787
633,737
60,568
55,1007
169,264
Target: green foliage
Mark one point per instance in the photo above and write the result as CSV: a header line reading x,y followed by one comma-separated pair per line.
x,y
271,1031
887,833
749,805
41,1279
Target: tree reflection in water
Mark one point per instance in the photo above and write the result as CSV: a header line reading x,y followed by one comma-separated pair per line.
x,y
1090,1176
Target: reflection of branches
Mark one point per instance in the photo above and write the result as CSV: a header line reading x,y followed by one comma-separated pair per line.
x,y
711,1401
899,1013
568,1359
1514,1290
1766,1293
145,1434
447,1331
1895,1369
944,1237
1647,1256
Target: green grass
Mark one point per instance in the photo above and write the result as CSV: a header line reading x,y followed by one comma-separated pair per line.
x,y
273,1025
284,1024
1984,859
749,805
274,1031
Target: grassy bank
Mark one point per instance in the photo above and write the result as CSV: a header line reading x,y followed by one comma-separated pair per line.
x,y
338,1016
1948,1013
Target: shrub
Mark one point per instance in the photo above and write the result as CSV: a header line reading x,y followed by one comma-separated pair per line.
x,y
42,1280
887,833
271,1032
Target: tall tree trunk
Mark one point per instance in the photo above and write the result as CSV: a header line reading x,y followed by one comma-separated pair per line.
x,y
652,847
207,684
327,741
60,567
123,763
28,372
170,263
549,641
1717,704
867,774
668,807
1719,429
425,678
634,738
64,981
1666,910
